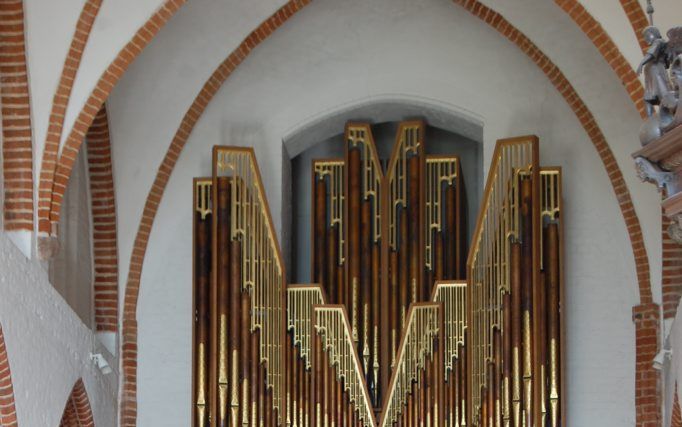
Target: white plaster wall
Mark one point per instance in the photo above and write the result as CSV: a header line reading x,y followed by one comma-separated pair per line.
x,y
116,24
168,75
48,346
335,54
49,27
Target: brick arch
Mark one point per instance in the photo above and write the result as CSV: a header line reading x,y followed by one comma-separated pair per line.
x,y
62,96
8,412
676,418
104,237
128,414
637,18
55,167
608,50
225,69
77,411
17,148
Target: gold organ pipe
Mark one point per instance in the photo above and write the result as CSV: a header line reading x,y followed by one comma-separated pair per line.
x,y
489,265
261,269
333,328
419,344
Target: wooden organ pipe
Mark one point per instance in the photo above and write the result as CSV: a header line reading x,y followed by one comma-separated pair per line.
x,y
527,298
404,261
332,264
394,304
354,199
235,318
202,279
417,288
245,344
375,381
507,358
320,248
224,297
516,332
553,327
453,260
365,286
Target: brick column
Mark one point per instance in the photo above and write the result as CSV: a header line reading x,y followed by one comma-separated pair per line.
x,y
647,379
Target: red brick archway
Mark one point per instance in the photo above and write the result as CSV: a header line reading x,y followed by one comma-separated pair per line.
x,y
489,16
17,146
56,167
8,412
77,411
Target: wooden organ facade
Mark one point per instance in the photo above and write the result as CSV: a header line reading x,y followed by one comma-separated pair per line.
x,y
405,324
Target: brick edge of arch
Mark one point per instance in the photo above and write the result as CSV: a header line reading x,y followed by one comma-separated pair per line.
x,y
55,167
104,231
77,410
8,412
17,146
60,102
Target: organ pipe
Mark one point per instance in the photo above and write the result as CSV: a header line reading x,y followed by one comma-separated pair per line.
x,y
390,331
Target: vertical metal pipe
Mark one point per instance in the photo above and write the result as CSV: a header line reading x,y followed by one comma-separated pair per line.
x,y
365,287
255,367
463,383
527,264
516,333
202,279
394,304
332,264
375,320
223,300
404,274
497,375
439,258
235,330
246,360
554,326
451,256
507,360
320,237
418,290
354,245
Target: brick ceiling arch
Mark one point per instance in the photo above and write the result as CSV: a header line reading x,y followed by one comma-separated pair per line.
x,y
77,411
56,167
8,412
224,70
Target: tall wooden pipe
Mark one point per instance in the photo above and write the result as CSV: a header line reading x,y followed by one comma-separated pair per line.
x,y
223,347
553,327
527,264
202,280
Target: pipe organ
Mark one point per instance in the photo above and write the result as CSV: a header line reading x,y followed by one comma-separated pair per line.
x,y
404,324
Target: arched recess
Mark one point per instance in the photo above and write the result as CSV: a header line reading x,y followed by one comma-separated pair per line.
x,y
77,411
8,412
490,17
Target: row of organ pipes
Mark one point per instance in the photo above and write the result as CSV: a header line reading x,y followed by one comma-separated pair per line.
x,y
400,327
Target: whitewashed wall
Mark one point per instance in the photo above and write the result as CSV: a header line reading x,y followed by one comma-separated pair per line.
x,y
335,54
48,346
